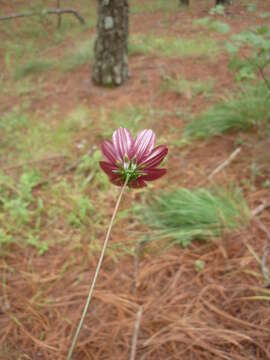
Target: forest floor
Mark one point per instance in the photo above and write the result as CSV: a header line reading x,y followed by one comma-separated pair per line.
x,y
205,301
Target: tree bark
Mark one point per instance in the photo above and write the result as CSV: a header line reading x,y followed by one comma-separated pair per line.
x,y
223,2
110,66
184,2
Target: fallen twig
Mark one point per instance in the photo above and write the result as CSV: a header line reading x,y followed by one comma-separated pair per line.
x,y
57,12
259,209
225,163
135,333
265,268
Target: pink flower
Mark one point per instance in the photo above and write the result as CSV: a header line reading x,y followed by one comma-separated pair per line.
x,y
136,160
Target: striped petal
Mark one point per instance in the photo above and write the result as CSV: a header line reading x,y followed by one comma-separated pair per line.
x,y
117,180
155,158
108,168
123,142
143,144
137,183
109,151
153,174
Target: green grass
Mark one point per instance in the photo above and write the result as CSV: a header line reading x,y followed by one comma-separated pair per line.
x,y
187,88
132,117
184,215
242,112
82,54
35,66
213,25
172,46
154,5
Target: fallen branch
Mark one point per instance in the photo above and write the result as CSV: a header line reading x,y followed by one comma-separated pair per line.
x,y
135,333
57,12
225,163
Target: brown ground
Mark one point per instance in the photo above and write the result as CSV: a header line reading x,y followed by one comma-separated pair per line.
x,y
221,312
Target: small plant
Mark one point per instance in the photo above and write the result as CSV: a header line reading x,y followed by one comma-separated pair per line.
x,y
183,215
217,10
32,67
213,25
258,59
82,208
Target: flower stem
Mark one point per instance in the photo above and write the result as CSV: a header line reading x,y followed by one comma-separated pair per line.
x,y
75,338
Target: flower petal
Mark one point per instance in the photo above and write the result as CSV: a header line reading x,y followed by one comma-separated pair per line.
x,y
153,174
108,168
109,151
117,180
143,144
137,183
123,142
155,158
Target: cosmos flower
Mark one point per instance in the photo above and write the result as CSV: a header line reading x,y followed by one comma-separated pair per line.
x,y
136,160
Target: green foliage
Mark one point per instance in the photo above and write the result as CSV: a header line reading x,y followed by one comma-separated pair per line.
x,y
187,88
20,211
172,46
89,170
217,10
81,210
242,112
184,215
258,43
16,199
213,25
13,120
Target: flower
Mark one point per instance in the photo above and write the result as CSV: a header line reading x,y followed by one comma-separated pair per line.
x,y
136,160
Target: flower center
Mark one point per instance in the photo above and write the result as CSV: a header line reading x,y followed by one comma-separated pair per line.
x,y
129,169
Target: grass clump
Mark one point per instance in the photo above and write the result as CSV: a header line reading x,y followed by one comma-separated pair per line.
x,y
187,88
35,66
172,46
184,215
213,25
249,109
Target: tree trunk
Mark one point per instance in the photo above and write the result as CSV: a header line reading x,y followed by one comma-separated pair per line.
x,y
111,47
223,2
184,2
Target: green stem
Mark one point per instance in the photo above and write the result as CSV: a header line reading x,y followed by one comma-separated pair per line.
x,y
96,273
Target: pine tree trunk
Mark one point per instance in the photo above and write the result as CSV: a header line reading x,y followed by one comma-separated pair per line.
x,y
223,2
111,46
184,2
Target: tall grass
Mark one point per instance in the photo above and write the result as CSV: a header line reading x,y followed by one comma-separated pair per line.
x,y
242,112
172,46
184,215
